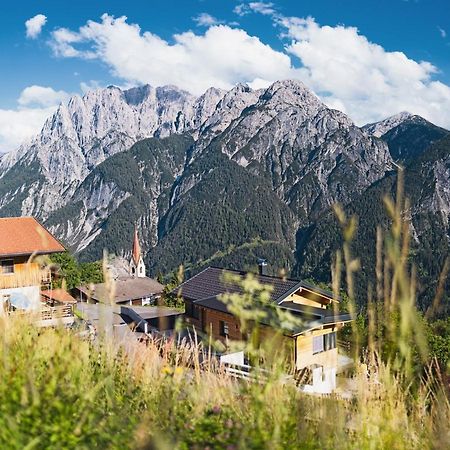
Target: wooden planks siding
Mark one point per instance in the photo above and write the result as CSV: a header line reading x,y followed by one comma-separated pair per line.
x,y
304,351
211,319
25,274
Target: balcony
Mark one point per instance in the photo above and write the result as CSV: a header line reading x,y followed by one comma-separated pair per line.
x,y
47,316
54,315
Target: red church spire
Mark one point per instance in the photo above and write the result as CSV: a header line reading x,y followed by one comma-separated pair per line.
x,y
136,248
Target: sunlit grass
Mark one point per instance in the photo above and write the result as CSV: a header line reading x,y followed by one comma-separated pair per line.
x,y
59,390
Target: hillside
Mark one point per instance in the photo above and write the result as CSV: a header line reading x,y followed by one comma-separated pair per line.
x,y
426,187
225,178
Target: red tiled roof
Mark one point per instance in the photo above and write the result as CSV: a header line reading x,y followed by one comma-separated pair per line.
x,y
59,295
25,236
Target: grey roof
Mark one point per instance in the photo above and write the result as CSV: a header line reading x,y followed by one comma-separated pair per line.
x,y
325,316
213,303
205,289
151,312
125,289
210,283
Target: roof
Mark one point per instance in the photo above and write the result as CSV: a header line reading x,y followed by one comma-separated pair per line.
x,y
205,290
59,295
136,248
210,283
326,316
26,236
151,312
307,317
125,289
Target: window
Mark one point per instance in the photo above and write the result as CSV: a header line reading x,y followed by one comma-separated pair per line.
x,y
329,341
195,312
188,308
317,344
324,342
7,266
223,328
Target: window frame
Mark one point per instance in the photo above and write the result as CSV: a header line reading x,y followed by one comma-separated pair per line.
x,y
224,328
3,265
328,342
318,344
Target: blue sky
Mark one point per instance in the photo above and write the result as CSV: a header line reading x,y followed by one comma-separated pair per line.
x,y
367,58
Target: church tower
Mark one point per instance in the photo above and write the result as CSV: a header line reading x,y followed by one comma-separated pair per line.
x,y
137,266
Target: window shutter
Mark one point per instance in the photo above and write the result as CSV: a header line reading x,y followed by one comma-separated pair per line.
x,y
318,344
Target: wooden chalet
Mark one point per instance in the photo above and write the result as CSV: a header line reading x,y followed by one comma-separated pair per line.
x,y
312,341
22,277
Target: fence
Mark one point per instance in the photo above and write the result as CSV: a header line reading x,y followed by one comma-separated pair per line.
x,y
56,312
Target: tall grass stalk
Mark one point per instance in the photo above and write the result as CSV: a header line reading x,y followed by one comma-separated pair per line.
x,y
61,391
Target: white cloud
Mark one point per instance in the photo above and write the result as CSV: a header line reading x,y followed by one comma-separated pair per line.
x,y
368,82
341,65
34,25
91,85
264,8
17,125
35,105
41,96
442,32
267,9
206,20
241,9
62,44
220,57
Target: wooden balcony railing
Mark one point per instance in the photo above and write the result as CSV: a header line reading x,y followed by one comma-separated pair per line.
x,y
47,315
56,312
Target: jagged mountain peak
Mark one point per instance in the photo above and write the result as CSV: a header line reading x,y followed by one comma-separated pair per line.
x,y
136,95
292,87
290,93
377,129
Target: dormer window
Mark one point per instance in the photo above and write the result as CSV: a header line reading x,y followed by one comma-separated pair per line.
x,y
7,266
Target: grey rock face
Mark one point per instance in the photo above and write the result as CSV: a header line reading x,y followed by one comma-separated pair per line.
x,y
377,129
310,155
90,129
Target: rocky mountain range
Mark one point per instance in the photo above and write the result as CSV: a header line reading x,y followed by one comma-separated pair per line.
x,y
222,178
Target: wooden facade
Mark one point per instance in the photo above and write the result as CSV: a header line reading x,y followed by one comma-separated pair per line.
x,y
24,273
304,353
22,241
218,324
313,344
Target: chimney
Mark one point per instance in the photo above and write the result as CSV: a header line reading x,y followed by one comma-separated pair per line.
x,y
262,266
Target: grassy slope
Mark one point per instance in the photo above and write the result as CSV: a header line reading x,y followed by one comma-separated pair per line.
x,y
60,391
